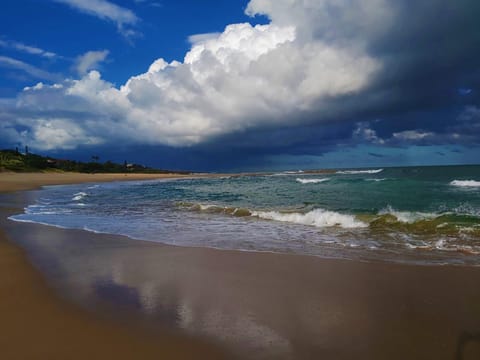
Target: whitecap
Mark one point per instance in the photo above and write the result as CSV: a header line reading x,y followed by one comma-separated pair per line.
x,y
465,183
354,172
204,207
293,172
288,173
311,181
407,216
317,218
79,196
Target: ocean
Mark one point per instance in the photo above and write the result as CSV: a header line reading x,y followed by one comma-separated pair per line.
x,y
421,215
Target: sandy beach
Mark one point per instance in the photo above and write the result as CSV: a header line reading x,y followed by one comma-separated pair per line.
x,y
10,181
102,296
38,324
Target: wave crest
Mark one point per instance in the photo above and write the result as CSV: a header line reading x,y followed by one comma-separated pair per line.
x,y
79,196
216,209
408,216
317,217
311,181
465,183
354,172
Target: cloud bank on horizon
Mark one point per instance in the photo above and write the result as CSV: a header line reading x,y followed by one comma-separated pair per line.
x,y
315,63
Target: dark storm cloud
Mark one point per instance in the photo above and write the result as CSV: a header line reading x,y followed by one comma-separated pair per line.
x,y
430,75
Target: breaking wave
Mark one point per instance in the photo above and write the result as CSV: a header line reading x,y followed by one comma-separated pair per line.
x,y
400,214
216,209
79,196
407,216
293,172
318,218
288,173
354,172
408,223
311,181
465,183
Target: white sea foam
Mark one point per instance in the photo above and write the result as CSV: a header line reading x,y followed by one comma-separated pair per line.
x,y
294,172
311,181
46,210
407,216
29,221
376,180
420,246
42,213
465,183
317,217
204,207
79,196
444,245
288,173
466,209
354,172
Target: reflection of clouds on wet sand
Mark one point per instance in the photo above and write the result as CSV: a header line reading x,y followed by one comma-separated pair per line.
x,y
163,295
262,305
140,278
241,331
227,301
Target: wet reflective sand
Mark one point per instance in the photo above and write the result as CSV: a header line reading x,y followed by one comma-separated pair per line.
x,y
261,305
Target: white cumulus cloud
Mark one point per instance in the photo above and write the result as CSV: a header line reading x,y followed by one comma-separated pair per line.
x,y
364,133
90,61
243,78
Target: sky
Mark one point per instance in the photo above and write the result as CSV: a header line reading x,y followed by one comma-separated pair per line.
x,y
243,85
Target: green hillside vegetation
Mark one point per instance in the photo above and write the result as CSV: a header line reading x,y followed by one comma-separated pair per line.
x,y
13,160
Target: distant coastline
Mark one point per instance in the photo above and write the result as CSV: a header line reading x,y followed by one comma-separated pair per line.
x,y
14,160
16,181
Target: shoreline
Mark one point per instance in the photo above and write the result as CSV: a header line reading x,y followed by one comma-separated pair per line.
x,y
11,181
257,305
37,323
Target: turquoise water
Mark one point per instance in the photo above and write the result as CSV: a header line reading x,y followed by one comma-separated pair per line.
x,y
415,214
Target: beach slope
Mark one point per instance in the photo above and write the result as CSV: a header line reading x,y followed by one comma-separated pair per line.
x,y
38,324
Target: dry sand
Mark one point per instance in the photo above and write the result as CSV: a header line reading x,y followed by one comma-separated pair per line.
x,y
10,181
258,305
